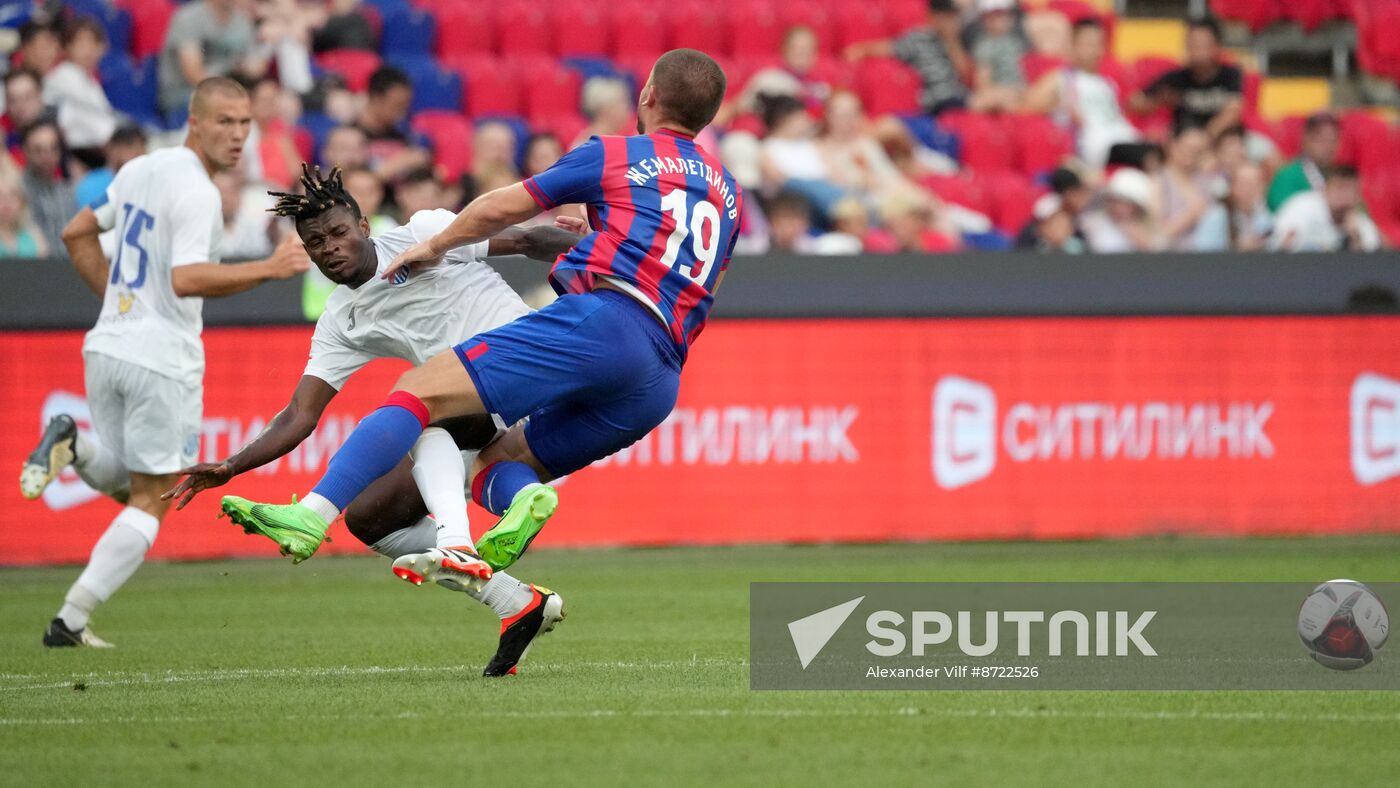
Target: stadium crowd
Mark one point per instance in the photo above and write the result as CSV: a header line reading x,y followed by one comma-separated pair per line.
x,y
952,124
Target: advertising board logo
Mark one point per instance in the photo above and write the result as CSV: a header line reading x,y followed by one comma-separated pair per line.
x,y
964,431
1375,428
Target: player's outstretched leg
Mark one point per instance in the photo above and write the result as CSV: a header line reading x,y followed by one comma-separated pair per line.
x,y
297,530
520,631
513,491
62,445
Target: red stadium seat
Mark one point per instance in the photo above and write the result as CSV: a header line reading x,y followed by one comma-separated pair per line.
x,y
580,28
1035,65
699,25
551,92
962,189
1123,78
1366,142
1310,14
523,28
492,85
565,128
755,30
355,65
465,27
1076,10
1010,197
1381,191
451,135
1257,14
149,21
905,15
638,28
859,20
1041,144
887,86
814,15
987,142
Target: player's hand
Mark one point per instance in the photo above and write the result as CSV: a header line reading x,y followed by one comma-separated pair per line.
x,y
288,259
414,258
198,478
574,224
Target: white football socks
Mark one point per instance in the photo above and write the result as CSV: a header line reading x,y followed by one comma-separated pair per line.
x,y
321,506
442,479
416,538
505,595
100,468
115,558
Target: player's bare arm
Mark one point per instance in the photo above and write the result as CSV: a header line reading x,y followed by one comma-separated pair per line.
x,y
292,425
540,242
486,216
212,280
80,236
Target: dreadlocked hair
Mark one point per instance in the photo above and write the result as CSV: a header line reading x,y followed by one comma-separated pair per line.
x,y
321,194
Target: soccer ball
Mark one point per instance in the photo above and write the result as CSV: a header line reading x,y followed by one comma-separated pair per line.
x,y
1342,624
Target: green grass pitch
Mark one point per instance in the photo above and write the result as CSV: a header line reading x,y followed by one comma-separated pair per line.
x,y
333,672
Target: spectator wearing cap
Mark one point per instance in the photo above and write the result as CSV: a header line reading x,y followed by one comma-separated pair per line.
x,y
393,151
1322,134
1074,197
206,38
1207,92
1052,227
84,114
125,144
49,193
1082,99
996,52
935,50
1329,219
1123,223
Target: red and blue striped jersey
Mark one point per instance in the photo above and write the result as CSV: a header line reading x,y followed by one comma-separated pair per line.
x,y
665,215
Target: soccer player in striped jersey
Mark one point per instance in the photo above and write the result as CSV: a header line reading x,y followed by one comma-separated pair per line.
x,y
594,371
367,318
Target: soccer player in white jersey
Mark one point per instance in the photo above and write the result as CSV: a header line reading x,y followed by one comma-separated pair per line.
x,y
366,318
144,361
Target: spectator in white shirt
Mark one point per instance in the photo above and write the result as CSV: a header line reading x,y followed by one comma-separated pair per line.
x,y
84,114
1327,221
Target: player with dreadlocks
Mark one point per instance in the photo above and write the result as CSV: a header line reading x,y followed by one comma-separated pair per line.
x,y
412,319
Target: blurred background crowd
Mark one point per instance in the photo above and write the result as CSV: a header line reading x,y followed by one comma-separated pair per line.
x,y
860,126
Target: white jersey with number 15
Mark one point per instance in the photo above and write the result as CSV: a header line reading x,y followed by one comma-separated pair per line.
x,y
166,212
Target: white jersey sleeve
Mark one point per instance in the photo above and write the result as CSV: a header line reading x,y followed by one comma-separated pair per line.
x,y
193,240
425,224
334,358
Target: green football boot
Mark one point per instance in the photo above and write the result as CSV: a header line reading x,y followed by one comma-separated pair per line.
x,y
508,539
297,530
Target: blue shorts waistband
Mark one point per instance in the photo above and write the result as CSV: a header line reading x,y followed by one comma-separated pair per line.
x,y
659,334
